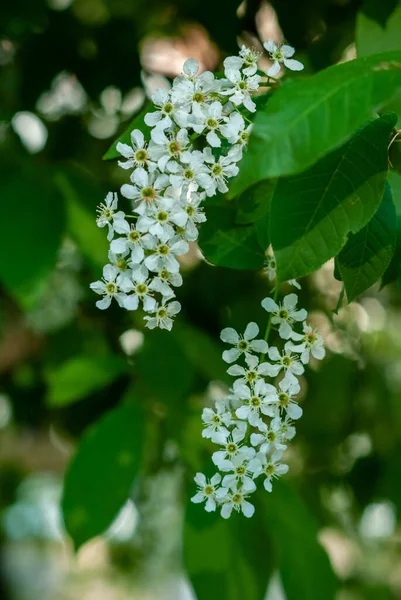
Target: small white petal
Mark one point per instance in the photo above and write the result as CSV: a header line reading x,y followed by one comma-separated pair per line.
x,y
251,331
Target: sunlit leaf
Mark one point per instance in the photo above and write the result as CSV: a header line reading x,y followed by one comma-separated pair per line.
x,y
312,213
308,117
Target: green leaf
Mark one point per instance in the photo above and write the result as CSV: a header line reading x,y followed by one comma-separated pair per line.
x,y
306,118
393,270
81,222
254,203
395,182
100,476
312,213
226,244
379,11
125,138
372,37
304,566
81,376
31,230
219,556
368,253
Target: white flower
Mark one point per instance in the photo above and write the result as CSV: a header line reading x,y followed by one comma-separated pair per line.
x,y
219,170
211,118
109,287
253,373
270,267
146,189
133,241
288,389
120,262
160,219
165,113
241,88
207,490
272,437
231,447
235,130
161,282
285,314
141,292
286,361
281,54
188,90
107,215
162,315
240,474
190,215
271,467
255,402
165,147
311,343
164,254
234,500
242,344
216,422
137,155
188,170
295,283
287,430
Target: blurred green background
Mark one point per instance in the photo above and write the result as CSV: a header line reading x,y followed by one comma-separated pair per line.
x,y
73,73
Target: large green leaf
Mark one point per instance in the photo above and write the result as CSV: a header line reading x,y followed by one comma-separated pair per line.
x,y
31,228
227,244
312,213
254,203
125,138
306,118
225,559
368,253
81,376
304,566
100,476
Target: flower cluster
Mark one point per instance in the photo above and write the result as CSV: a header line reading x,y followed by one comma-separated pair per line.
x,y
198,132
255,421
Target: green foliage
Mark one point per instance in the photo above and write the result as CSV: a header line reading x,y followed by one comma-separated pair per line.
x,y
254,203
368,253
80,376
39,227
312,213
220,563
373,37
304,566
227,244
379,11
307,118
100,477
219,555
